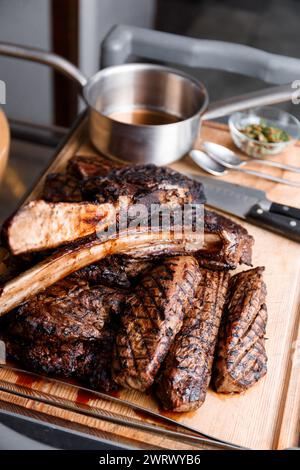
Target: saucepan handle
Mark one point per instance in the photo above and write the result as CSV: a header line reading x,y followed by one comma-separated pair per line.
x,y
266,96
47,58
123,42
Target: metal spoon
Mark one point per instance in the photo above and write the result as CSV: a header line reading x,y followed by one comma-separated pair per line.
x,y
230,159
210,165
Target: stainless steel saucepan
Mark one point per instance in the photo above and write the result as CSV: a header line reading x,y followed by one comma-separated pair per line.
x,y
123,88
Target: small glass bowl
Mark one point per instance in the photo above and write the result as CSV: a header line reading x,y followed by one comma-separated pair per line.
x,y
271,116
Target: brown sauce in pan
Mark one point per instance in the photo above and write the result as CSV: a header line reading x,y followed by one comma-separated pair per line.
x,y
142,116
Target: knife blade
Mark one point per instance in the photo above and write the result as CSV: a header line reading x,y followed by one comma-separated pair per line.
x,y
251,205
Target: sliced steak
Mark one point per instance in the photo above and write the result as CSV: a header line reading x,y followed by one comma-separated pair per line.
x,y
68,331
152,317
241,358
114,271
70,310
186,373
89,361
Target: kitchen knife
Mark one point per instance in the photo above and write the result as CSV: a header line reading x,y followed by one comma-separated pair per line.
x,y
251,205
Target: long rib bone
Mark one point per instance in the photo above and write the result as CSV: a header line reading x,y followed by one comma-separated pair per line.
x,y
135,243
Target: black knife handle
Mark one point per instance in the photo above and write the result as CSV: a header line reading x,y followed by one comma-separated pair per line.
x,y
286,210
286,226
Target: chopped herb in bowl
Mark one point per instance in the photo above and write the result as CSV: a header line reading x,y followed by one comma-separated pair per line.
x,y
264,133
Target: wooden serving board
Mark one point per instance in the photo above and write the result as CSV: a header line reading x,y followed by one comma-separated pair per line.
x,y
4,142
266,416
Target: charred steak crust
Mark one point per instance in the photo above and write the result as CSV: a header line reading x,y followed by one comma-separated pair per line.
x,y
70,310
235,244
114,271
89,361
68,330
86,166
241,358
185,375
61,187
144,184
151,318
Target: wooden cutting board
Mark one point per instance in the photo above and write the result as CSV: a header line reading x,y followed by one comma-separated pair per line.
x,y
266,416
4,142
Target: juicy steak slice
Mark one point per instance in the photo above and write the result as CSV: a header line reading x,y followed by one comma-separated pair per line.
x,y
241,358
70,310
186,373
41,225
151,318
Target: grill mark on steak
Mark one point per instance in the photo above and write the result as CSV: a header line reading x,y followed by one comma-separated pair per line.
x,y
68,330
144,184
241,358
185,375
61,187
89,361
70,310
152,316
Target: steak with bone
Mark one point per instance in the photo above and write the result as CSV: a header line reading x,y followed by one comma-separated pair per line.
x,y
152,317
41,225
241,358
138,244
186,373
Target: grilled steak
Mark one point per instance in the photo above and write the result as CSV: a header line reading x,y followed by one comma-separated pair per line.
x,y
140,244
68,330
152,317
144,184
89,361
83,167
114,271
61,187
41,225
70,310
66,187
235,244
241,358
186,373
10,266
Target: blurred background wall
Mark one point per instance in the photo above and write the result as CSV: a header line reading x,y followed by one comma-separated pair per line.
x,y
75,29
